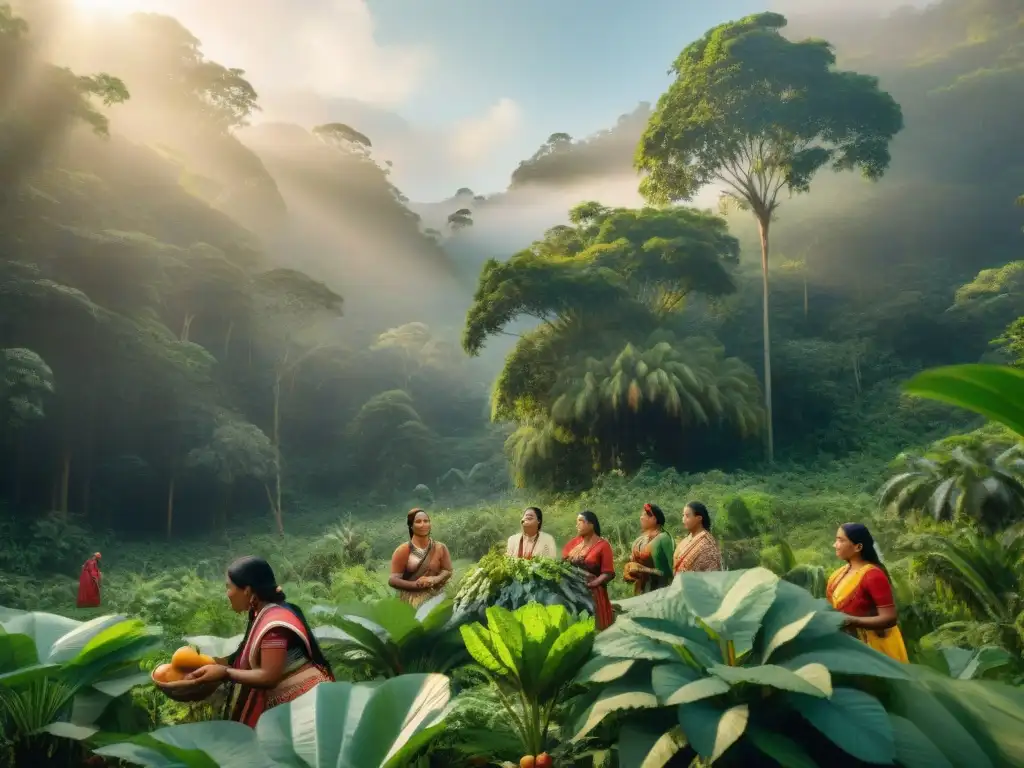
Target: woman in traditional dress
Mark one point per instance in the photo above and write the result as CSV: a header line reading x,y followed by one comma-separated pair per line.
x,y
421,567
698,551
532,541
650,566
594,555
278,659
89,583
862,591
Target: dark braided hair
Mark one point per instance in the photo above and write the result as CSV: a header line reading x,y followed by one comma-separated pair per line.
x,y
256,574
858,533
701,511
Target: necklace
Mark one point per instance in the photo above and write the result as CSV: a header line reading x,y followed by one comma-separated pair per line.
x,y
533,544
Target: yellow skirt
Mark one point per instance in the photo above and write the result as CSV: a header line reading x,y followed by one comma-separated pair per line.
x,y
888,641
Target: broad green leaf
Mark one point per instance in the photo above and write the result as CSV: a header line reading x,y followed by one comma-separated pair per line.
x,y
117,644
356,726
771,676
75,642
843,655
712,728
693,638
568,652
27,675
913,748
155,755
852,720
675,684
16,652
231,745
45,629
395,617
539,635
615,643
614,698
913,702
733,606
602,670
120,685
218,647
380,647
194,745
644,746
506,637
71,731
481,647
993,713
994,391
782,749
977,663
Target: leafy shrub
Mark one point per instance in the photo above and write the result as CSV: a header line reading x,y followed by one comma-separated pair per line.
x,y
512,582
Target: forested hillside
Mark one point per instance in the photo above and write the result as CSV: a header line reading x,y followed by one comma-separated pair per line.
x,y
214,293
222,336
178,334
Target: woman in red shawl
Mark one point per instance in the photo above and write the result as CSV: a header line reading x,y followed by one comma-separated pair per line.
x,y
89,583
594,555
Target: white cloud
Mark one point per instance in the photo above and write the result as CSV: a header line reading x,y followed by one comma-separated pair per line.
x,y
325,46
474,139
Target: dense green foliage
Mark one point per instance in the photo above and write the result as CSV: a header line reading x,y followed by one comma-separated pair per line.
x,y
235,339
163,368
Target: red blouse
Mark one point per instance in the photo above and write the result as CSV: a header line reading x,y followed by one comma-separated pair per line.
x,y
597,560
873,592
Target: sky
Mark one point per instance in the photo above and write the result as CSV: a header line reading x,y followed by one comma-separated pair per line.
x,y
457,91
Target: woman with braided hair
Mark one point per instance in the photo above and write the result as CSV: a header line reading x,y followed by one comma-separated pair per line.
x,y
278,659
861,589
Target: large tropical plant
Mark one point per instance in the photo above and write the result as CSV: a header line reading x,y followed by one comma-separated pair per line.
x,y
512,582
969,478
363,725
740,667
530,656
983,574
994,391
59,677
392,638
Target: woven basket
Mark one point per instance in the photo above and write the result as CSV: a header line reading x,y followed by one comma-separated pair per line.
x,y
186,690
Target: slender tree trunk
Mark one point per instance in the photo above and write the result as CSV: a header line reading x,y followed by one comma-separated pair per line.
x,y
170,507
65,481
278,515
19,450
86,491
806,306
763,224
227,338
186,326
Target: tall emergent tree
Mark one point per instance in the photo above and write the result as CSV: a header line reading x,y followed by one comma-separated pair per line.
x,y
602,382
757,113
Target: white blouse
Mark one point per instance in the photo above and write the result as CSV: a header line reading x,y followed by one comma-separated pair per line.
x,y
545,546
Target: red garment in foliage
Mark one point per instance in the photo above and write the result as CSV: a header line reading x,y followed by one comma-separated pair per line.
x,y
89,585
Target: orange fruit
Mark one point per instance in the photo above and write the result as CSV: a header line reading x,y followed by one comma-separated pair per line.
x,y
205,660
527,761
187,659
166,673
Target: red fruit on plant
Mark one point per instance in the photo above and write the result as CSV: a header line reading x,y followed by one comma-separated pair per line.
x,y
543,761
